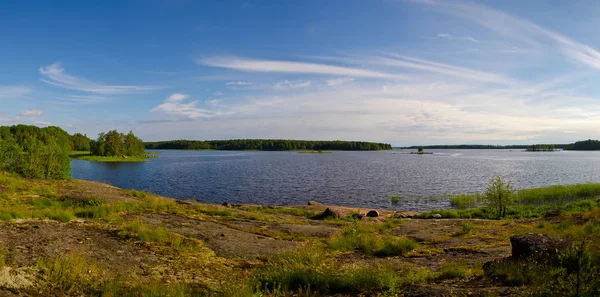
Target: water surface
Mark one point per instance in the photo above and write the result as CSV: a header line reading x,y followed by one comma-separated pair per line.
x,y
357,179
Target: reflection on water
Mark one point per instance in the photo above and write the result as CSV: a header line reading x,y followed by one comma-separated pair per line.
x,y
358,179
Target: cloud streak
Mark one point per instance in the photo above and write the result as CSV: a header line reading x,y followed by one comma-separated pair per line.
x,y
518,28
174,106
55,75
10,92
257,65
31,113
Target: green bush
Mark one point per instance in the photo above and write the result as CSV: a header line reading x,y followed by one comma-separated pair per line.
x,y
499,195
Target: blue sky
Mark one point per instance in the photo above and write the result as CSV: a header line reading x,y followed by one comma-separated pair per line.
x,y
403,72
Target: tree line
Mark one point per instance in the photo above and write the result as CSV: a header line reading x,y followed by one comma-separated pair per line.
x,y
478,146
268,145
584,145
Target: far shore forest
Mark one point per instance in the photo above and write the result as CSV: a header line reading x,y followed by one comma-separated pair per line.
x,y
35,152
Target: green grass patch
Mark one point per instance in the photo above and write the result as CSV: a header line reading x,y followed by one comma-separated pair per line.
x,y
365,238
313,270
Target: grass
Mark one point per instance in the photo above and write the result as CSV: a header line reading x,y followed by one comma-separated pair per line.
x,y
139,230
450,270
394,199
366,240
294,211
313,270
86,155
70,275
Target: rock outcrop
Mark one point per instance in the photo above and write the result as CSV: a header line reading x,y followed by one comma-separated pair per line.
x,y
537,246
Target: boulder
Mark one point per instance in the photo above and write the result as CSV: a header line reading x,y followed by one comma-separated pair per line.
x,y
314,203
537,246
372,213
436,216
332,213
226,204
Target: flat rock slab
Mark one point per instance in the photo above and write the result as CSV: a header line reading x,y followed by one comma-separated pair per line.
x,y
224,241
311,230
28,242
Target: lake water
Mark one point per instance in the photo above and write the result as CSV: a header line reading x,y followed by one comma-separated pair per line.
x,y
357,179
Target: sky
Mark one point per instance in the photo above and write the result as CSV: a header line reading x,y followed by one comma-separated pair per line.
x,y
405,72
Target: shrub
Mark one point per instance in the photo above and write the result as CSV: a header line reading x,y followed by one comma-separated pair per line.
x,y
466,228
499,195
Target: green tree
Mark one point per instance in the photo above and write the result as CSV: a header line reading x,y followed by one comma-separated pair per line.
x,y
80,142
35,152
499,195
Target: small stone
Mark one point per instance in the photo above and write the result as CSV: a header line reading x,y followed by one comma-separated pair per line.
x,y
436,216
314,203
372,213
226,204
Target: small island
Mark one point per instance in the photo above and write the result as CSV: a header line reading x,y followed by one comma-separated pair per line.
x,y
420,151
541,148
110,147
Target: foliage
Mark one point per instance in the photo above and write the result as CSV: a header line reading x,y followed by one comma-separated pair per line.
x,y
499,195
585,145
578,274
80,142
268,145
463,201
35,152
113,144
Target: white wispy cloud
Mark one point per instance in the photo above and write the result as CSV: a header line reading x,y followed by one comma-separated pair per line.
x,y
175,106
256,65
55,74
339,81
238,83
452,37
31,112
518,28
177,97
286,84
10,92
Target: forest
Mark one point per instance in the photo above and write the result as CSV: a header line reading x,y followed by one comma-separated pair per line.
x,y
584,145
268,145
